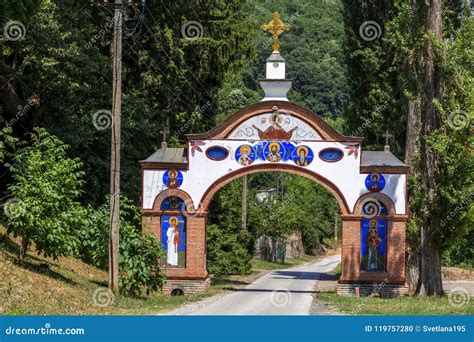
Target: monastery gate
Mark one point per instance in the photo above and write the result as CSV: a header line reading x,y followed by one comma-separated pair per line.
x,y
278,136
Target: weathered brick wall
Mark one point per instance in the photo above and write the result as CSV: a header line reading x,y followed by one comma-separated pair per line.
x,y
195,246
187,286
350,252
195,274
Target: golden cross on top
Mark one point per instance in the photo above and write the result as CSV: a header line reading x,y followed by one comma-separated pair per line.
x,y
276,27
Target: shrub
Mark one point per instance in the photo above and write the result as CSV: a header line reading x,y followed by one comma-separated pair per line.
x,y
44,207
139,253
226,251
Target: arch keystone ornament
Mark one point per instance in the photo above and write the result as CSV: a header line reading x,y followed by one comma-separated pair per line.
x,y
276,135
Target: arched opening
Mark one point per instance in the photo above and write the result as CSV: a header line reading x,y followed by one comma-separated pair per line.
x,y
295,170
177,292
284,217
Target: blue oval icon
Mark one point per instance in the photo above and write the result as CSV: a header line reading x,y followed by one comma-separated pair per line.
x,y
331,155
217,153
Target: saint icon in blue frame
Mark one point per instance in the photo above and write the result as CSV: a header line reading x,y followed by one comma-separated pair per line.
x,y
373,246
172,179
302,156
375,182
274,152
245,155
173,239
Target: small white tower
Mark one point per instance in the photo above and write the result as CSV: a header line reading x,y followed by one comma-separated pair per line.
x,y
275,85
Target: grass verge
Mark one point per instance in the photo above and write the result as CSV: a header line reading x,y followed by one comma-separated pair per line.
x,y
42,286
408,305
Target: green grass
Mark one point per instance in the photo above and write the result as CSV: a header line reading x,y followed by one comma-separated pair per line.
x,y
42,286
408,305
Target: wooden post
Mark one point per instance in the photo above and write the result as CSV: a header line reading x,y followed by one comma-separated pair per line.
x,y
114,237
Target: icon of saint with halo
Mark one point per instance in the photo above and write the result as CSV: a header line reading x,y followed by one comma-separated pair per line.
x,y
302,153
275,131
172,235
244,158
274,154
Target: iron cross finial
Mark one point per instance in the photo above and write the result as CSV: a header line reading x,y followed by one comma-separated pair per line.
x,y
387,137
276,27
166,130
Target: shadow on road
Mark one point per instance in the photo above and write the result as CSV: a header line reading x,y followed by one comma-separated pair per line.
x,y
271,290
295,275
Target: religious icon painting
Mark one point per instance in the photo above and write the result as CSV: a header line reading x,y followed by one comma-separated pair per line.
x,y
302,155
173,239
245,155
172,179
173,203
375,182
274,152
373,247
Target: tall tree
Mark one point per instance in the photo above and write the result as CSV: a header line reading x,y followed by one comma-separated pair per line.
x,y
435,97
432,88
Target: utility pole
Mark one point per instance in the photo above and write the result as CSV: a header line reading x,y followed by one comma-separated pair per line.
x,y
114,237
244,202
335,226
114,219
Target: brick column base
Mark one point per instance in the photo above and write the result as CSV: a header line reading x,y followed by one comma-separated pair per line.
x,y
187,286
380,290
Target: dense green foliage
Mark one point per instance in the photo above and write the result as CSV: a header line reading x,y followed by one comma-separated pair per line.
x,y
314,52
47,184
364,82
45,209
229,248
302,206
140,254
226,252
62,67
389,88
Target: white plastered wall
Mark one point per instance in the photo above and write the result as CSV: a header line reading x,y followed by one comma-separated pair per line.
x,y
344,174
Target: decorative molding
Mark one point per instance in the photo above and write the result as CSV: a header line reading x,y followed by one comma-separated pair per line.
x,y
385,169
223,130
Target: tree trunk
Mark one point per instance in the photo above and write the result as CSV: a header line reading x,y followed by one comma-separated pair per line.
x,y
412,145
273,250
430,259
25,242
413,269
413,130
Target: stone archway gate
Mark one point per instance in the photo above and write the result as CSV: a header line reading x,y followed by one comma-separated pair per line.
x,y
276,135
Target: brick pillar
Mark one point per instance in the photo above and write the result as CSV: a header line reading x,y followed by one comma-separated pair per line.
x,y
196,247
350,248
396,244
350,252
